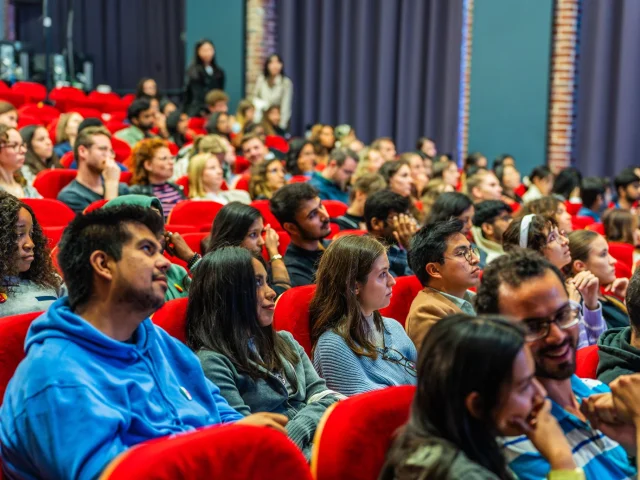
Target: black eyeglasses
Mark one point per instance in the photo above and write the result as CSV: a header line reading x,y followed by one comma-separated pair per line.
x,y
394,356
468,253
537,328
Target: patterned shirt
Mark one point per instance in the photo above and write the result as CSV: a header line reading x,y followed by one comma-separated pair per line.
x,y
168,196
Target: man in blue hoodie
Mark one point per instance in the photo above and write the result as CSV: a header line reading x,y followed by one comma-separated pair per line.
x,y
98,376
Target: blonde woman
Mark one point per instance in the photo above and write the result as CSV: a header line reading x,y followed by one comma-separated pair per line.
x,y
206,179
207,144
67,132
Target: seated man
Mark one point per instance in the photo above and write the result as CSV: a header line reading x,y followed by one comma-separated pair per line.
x,y
627,185
592,193
141,115
483,185
525,287
619,348
388,218
366,185
98,173
217,101
541,184
491,219
299,210
447,265
386,147
254,149
333,182
98,376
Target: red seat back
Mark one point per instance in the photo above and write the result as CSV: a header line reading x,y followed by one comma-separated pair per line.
x,y
580,223
623,252
192,212
172,317
67,159
231,452
299,179
587,361
194,240
184,183
46,113
596,227
572,208
292,314
265,210
277,142
50,182
241,165
53,234
121,148
13,331
404,291
243,183
95,205
49,212
335,208
353,440
34,92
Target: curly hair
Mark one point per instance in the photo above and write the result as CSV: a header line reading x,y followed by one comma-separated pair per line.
x,y
41,272
258,184
537,237
142,152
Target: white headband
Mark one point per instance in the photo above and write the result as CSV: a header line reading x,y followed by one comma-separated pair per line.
x,y
524,229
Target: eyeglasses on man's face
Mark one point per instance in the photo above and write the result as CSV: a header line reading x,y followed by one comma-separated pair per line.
x,y
537,328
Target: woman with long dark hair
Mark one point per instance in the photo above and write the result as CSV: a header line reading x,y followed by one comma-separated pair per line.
x,y
229,326
28,281
355,348
203,75
240,225
301,157
465,399
40,155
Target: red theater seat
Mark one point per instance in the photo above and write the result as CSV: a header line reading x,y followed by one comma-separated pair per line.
x,y
335,208
191,212
50,182
277,142
49,212
67,159
623,252
292,314
269,218
172,317
299,179
573,208
404,291
587,361
580,223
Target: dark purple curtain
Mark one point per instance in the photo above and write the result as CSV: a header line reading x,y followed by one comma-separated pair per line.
x,y
386,67
608,97
128,39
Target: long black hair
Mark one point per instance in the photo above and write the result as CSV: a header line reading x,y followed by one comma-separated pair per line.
x,y
222,314
453,363
449,205
196,67
231,225
265,70
295,147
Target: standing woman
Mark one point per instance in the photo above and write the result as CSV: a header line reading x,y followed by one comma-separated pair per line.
x,y
12,154
40,155
274,88
203,75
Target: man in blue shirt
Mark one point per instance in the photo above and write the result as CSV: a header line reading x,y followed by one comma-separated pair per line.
x,y
98,376
592,193
333,182
528,289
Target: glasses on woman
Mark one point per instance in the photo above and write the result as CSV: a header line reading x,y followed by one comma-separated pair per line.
x,y
394,356
556,236
538,328
16,146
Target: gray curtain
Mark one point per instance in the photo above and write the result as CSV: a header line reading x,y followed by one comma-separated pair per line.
x,y
386,67
607,135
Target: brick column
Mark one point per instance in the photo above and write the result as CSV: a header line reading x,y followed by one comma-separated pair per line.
x,y
562,92
465,81
261,38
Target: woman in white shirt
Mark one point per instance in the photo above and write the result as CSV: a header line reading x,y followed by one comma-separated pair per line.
x,y
206,179
274,88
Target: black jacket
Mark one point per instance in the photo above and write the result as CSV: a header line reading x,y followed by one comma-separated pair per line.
x,y
197,85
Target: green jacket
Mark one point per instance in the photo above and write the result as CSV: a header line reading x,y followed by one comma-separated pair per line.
x,y
131,135
617,355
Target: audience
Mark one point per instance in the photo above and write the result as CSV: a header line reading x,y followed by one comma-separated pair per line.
x,y
551,207
592,193
324,140
28,281
40,155
203,75
483,185
370,161
301,157
447,265
98,175
466,398
448,172
386,147
397,174
67,132
388,218
426,147
255,368
627,185
491,219
141,117
453,205
206,180
566,185
529,290
332,183
239,225
266,179
75,368
254,149
364,186
509,178
152,169
541,180
355,349
8,114
299,210
273,88
12,157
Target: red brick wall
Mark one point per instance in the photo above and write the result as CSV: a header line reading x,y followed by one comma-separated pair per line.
x,y
261,38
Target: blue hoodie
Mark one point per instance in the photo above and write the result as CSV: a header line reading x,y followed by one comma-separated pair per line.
x,y
80,398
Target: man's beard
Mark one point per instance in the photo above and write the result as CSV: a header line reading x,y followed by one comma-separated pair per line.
x,y
561,371
140,300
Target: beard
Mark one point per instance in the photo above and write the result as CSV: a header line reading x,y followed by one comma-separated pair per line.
x,y
560,371
307,236
141,300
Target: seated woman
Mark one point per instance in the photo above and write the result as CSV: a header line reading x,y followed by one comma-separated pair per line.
x,y
301,158
218,124
447,170
271,122
67,132
324,141
8,114
540,233
266,179
549,206
177,123
40,155
622,226
370,161
590,251
256,368
355,349
178,279
453,205
12,151
28,281
206,179
466,399
239,225
152,165
397,174
509,178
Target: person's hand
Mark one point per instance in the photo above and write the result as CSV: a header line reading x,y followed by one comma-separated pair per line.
x,y
111,172
177,246
626,396
589,287
265,419
619,287
546,435
271,240
404,227
603,413
160,121
573,292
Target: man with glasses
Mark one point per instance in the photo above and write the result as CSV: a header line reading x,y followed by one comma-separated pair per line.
x,y
333,181
98,174
447,265
528,289
491,219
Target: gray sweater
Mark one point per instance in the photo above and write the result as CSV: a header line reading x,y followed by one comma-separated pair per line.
x,y
26,296
303,399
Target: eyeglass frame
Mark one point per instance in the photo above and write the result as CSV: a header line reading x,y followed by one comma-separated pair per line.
x,y
467,254
16,146
547,321
561,234
409,366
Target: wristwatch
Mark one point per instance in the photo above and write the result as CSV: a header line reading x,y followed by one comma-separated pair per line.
x,y
277,256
